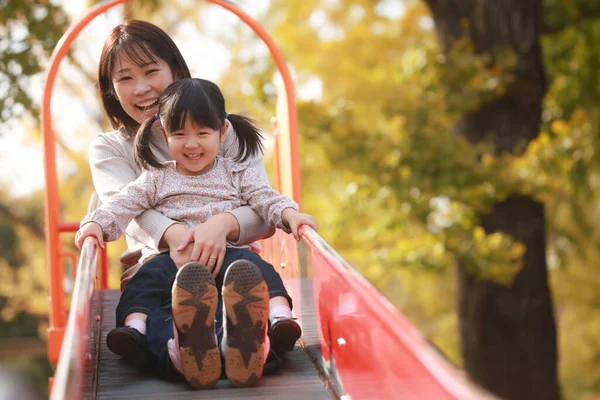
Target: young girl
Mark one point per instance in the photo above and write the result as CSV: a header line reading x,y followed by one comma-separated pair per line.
x,y
195,186
137,63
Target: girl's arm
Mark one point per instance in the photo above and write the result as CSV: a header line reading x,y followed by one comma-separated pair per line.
x,y
114,215
267,202
275,208
113,167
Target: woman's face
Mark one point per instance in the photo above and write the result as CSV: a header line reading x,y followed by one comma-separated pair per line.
x,y
138,87
195,147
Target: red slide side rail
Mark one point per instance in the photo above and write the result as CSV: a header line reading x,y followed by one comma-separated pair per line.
x,y
370,349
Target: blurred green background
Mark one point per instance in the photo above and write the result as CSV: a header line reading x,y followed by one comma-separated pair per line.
x,y
382,91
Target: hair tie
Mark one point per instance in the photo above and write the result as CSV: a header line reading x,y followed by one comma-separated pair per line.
x,y
159,119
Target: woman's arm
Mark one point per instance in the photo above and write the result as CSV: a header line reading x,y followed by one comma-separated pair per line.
x,y
113,167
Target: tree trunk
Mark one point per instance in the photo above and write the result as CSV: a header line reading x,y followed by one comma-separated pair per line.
x,y
508,334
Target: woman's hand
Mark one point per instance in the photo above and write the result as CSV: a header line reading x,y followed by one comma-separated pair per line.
x,y
90,229
210,241
295,219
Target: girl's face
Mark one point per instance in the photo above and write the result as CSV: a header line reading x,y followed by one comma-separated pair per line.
x,y
194,148
138,87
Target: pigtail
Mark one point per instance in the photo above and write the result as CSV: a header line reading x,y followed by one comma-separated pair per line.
x,y
249,137
144,158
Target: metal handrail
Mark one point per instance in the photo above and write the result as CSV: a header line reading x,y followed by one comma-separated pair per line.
x,y
68,379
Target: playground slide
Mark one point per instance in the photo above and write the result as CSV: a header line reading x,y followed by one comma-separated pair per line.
x,y
360,347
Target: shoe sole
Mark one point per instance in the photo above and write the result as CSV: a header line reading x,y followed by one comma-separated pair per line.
x,y
194,302
284,336
246,301
125,345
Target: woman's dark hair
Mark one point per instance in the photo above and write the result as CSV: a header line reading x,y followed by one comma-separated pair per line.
x,y
202,102
140,42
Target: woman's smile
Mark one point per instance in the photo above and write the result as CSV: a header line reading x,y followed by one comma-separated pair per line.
x,y
137,87
146,104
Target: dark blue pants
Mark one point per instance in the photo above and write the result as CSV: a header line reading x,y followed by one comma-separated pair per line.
x,y
149,292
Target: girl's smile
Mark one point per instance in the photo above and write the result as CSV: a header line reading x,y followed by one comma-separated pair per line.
x,y
195,147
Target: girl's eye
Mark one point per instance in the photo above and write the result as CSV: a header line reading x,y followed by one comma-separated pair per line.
x,y
123,78
202,133
151,71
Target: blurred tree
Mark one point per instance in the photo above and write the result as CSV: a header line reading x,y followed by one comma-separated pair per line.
x,y
29,31
570,152
508,333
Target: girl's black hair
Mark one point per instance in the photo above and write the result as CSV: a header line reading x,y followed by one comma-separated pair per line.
x,y
202,102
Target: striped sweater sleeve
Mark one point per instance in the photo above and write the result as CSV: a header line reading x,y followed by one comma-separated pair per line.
x,y
267,202
113,167
114,215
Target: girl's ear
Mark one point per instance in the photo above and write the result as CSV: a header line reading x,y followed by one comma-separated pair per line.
x,y
224,131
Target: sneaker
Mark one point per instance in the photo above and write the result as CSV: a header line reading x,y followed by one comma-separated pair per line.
x,y
194,306
130,344
245,318
284,333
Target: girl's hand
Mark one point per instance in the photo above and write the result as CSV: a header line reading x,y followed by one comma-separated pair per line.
x,y
295,219
210,241
90,229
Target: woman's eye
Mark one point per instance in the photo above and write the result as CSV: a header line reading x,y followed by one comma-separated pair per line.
x,y
124,78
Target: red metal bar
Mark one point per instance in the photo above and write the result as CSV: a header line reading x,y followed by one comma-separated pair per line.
x,y
104,268
68,226
276,154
